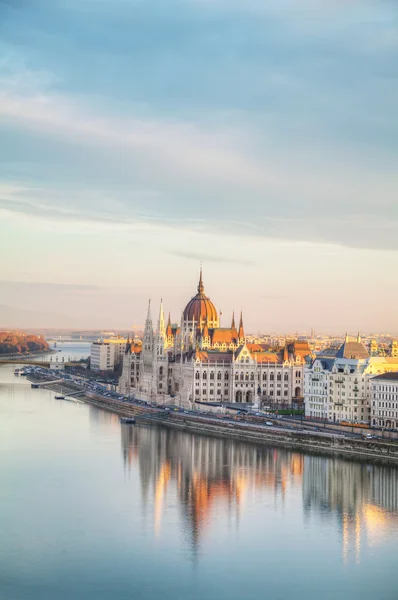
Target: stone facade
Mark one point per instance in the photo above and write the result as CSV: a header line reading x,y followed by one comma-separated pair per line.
x,y
200,361
338,388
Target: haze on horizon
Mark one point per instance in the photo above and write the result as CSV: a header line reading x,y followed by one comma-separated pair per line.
x,y
142,137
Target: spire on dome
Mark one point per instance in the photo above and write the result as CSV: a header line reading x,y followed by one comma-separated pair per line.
x,y
201,287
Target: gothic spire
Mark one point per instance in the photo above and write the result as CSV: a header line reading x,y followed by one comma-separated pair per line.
x,y
161,327
233,326
241,333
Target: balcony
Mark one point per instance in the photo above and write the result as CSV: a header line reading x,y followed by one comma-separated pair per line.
x,y
339,380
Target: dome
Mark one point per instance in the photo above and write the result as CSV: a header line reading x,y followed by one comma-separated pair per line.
x,y
200,308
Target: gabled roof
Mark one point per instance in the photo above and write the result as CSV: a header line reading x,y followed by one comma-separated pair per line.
x,y
213,357
223,336
355,350
268,358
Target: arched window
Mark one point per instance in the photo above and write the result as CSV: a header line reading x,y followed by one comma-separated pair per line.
x,y
161,371
236,376
241,377
204,375
298,374
212,375
251,376
226,376
264,376
278,377
246,376
271,377
286,377
219,376
197,375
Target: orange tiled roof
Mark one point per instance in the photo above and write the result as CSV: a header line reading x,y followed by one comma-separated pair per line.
x,y
268,357
223,336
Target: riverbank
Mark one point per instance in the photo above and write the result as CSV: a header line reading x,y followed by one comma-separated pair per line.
x,y
319,442
26,355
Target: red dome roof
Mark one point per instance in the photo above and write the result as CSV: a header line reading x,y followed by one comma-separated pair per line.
x,y
200,308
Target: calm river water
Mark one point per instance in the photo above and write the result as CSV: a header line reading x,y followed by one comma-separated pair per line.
x,y
90,509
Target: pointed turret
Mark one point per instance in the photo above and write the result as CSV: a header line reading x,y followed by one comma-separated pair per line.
x,y
147,343
233,326
148,330
161,328
169,331
241,333
205,341
358,338
206,329
161,333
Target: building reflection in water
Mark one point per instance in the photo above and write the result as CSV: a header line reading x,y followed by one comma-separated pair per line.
x,y
363,497
209,472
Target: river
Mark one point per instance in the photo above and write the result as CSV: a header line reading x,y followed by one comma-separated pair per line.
x,y
91,509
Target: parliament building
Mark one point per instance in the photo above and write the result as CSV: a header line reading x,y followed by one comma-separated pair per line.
x,y
199,362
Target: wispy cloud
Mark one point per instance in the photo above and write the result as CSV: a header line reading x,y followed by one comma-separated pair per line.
x,y
212,258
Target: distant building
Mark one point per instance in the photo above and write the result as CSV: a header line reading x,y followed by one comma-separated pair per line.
x,y
102,356
337,388
384,400
105,354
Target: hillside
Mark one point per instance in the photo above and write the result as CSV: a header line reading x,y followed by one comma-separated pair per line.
x,y
17,342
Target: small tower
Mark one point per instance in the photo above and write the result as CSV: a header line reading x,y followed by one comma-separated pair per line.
x,y
374,348
160,342
206,336
169,334
394,348
241,333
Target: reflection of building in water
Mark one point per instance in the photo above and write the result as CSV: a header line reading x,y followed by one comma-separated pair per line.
x,y
363,497
205,471
102,416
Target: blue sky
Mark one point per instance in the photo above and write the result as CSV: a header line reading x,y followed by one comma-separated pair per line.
x,y
140,137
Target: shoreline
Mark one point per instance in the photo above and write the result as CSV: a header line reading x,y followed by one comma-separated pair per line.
x,y
314,442
27,355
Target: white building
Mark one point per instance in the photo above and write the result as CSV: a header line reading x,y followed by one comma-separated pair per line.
x,y
384,400
338,388
199,361
102,356
119,345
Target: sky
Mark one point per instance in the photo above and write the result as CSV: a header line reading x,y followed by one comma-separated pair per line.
x,y
140,137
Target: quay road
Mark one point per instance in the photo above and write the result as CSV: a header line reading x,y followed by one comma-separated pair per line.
x,y
95,392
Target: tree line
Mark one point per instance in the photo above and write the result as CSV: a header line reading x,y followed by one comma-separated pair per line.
x,y
21,343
